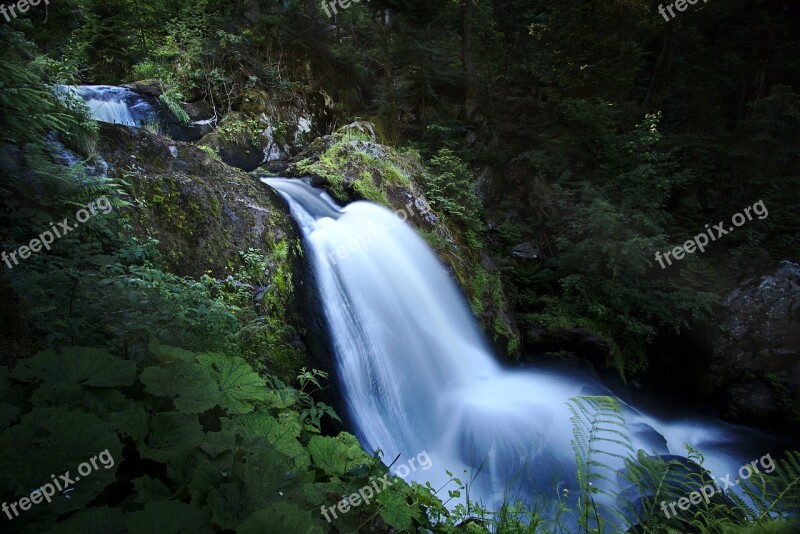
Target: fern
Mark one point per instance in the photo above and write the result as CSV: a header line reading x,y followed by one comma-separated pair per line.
x,y
775,495
598,425
171,102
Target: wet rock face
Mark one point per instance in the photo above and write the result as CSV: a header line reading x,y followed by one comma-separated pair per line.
x,y
755,366
247,141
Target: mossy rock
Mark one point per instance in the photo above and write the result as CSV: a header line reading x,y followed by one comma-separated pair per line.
x,y
237,141
202,211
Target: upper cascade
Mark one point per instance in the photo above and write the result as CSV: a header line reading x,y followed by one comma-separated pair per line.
x,y
115,105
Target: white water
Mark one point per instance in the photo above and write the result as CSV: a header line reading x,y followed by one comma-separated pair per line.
x,y
417,375
115,105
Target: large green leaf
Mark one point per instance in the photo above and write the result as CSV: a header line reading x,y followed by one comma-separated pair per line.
x,y
270,477
167,354
281,432
132,422
52,441
149,489
239,386
205,477
318,491
170,435
182,465
396,510
337,455
227,506
100,401
215,443
187,383
77,366
281,399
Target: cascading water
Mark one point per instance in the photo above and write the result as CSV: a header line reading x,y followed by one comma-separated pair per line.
x,y
116,105
417,375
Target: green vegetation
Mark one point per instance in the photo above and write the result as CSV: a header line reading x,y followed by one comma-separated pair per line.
x,y
600,438
449,189
354,167
356,162
591,130
240,131
198,439
172,102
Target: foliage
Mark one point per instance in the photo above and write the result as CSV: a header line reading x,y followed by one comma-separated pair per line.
x,y
240,131
29,110
172,103
607,135
196,438
602,276
449,187
768,501
599,438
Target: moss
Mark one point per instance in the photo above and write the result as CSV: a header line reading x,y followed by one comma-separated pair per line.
x,y
366,188
272,335
483,289
326,168
239,130
211,152
215,206
349,168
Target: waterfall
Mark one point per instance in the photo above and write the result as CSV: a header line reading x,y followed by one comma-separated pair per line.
x,y
417,375
116,105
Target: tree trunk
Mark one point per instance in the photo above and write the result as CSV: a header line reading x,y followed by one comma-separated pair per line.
x,y
253,10
141,29
471,90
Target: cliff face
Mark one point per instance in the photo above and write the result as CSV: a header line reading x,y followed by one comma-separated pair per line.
x,y
755,365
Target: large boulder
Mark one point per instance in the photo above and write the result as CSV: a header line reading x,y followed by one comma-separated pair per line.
x,y
199,111
237,141
264,129
151,88
201,211
755,364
